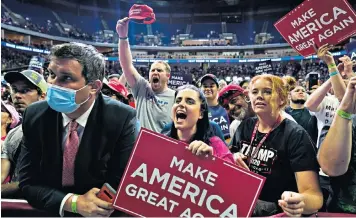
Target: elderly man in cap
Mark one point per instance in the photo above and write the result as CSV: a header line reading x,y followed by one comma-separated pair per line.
x,y
236,104
27,87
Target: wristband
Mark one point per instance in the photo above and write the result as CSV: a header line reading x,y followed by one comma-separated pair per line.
x,y
344,114
331,66
123,38
333,73
74,204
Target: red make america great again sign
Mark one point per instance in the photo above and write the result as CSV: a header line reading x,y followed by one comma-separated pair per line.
x,y
317,22
164,179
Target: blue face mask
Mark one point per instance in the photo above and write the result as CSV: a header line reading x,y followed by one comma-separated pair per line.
x,y
62,99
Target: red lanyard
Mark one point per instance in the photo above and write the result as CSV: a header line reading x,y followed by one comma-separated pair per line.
x,y
262,140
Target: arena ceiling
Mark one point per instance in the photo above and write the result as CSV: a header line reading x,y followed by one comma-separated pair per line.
x,y
214,6
177,6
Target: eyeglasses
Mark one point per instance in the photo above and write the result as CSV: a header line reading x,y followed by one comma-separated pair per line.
x,y
110,93
107,92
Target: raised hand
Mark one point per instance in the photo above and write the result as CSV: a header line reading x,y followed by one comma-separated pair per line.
x,y
122,27
345,68
324,54
348,103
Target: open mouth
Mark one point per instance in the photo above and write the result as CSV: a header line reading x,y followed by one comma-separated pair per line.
x,y
155,80
180,116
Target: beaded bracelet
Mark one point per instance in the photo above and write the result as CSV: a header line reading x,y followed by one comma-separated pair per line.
x,y
333,73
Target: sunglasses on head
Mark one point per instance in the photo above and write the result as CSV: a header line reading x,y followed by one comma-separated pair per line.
x,y
107,92
110,93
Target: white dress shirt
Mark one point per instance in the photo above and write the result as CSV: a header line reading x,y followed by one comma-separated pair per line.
x,y
82,122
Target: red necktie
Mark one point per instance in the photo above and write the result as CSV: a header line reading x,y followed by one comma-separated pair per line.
x,y
69,153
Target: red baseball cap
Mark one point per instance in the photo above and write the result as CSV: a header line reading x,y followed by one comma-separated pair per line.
x,y
117,87
142,14
229,92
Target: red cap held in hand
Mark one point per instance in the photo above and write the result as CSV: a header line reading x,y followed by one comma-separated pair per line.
x,y
142,14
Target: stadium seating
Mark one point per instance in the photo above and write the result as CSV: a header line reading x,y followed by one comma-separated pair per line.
x,y
84,27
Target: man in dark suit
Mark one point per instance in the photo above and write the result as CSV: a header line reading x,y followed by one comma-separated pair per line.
x,y
76,140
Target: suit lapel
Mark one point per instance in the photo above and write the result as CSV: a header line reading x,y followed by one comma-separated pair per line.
x,y
91,140
52,147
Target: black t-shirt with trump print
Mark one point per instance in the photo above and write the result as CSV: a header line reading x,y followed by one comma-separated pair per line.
x,y
287,150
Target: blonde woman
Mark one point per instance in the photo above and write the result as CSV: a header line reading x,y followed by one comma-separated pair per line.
x,y
280,150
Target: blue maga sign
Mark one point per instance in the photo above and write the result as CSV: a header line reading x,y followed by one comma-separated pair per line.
x,y
179,79
36,62
263,67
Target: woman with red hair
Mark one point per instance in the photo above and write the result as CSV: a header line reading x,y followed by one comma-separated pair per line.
x,y
280,150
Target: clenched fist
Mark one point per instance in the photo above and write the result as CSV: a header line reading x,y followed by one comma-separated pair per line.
x,y
122,27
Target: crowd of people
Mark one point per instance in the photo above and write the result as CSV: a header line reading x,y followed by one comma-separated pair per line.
x,y
70,128
28,24
12,58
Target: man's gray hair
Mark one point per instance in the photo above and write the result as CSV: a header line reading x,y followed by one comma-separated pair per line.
x,y
92,61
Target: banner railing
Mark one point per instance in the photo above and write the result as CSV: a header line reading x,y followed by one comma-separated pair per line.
x,y
183,61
